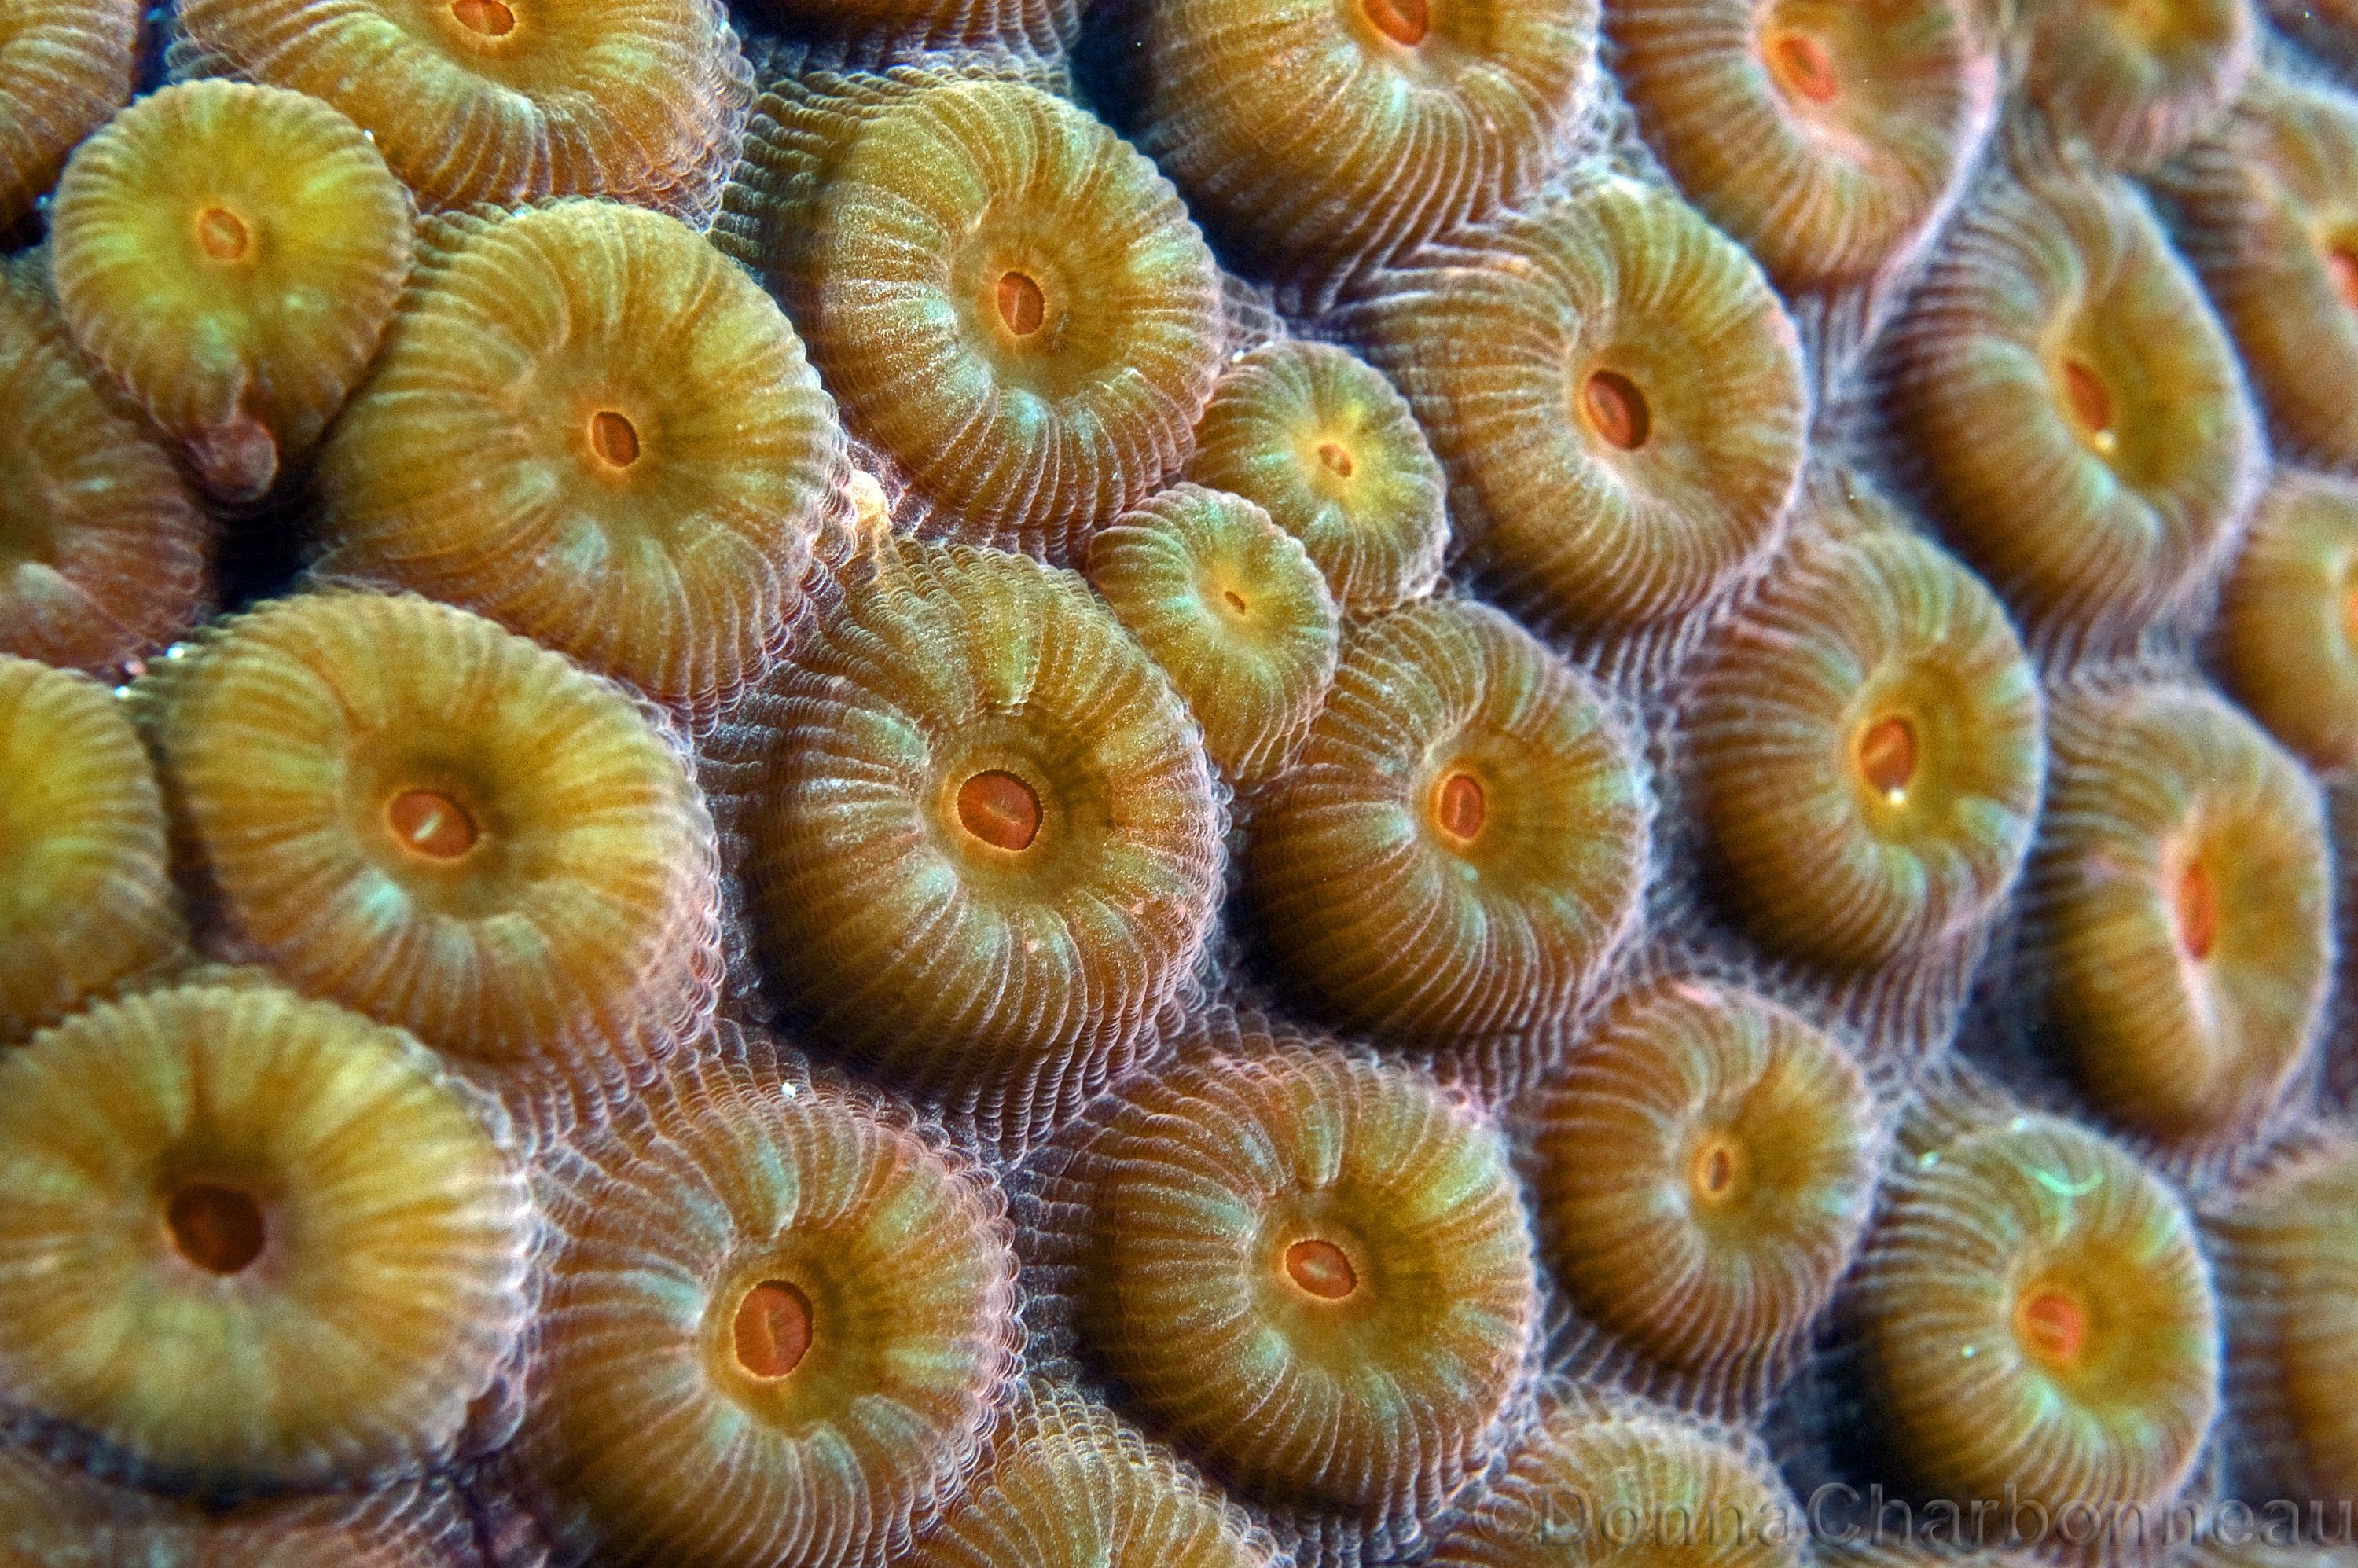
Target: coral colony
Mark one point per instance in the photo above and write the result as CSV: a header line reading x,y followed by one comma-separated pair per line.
x,y
1178,784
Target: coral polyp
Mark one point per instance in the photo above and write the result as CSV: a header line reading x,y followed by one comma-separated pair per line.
x,y
1823,136
1459,847
2265,205
1867,752
987,848
102,543
232,254
2181,909
85,898
2289,1273
1069,1486
2069,405
2033,1313
1230,607
1314,1272
69,63
2288,618
1315,134
410,811
589,426
1599,472
2131,82
895,25
257,1241
1321,440
1014,305
776,1326
1706,1164
506,101
1603,1485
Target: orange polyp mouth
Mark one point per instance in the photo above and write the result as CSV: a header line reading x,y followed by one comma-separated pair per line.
x,y
1405,22
1000,809
489,17
2052,1326
773,1331
614,439
223,234
1888,757
1460,808
1022,305
1321,1269
430,823
1617,410
2341,270
2196,908
2091,403
1339,461
1803,67
1236,600
214,1227
1715,1170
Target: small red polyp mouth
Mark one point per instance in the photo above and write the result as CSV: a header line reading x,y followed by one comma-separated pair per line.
x,y
1000,809
1617,410
2052,1326
489,17
223,234
1405,22
614,439
214,1227
1022,305
2195,905
2090,402
430,824
1804,68
1887,756
1460,808
1321,1269
772,1329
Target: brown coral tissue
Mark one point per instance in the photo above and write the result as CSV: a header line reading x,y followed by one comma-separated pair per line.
x,y
1013,304
411,811
1616,393
2288,1257
1706,1164
505,101
232,254
2035,1313
986,848
589,426
1313,1270
263,1241
2181,903
103,543
1069,1486
89,898
1867,751
1319,134
1459,847
1822,136
776,1325
2070,408
69,63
